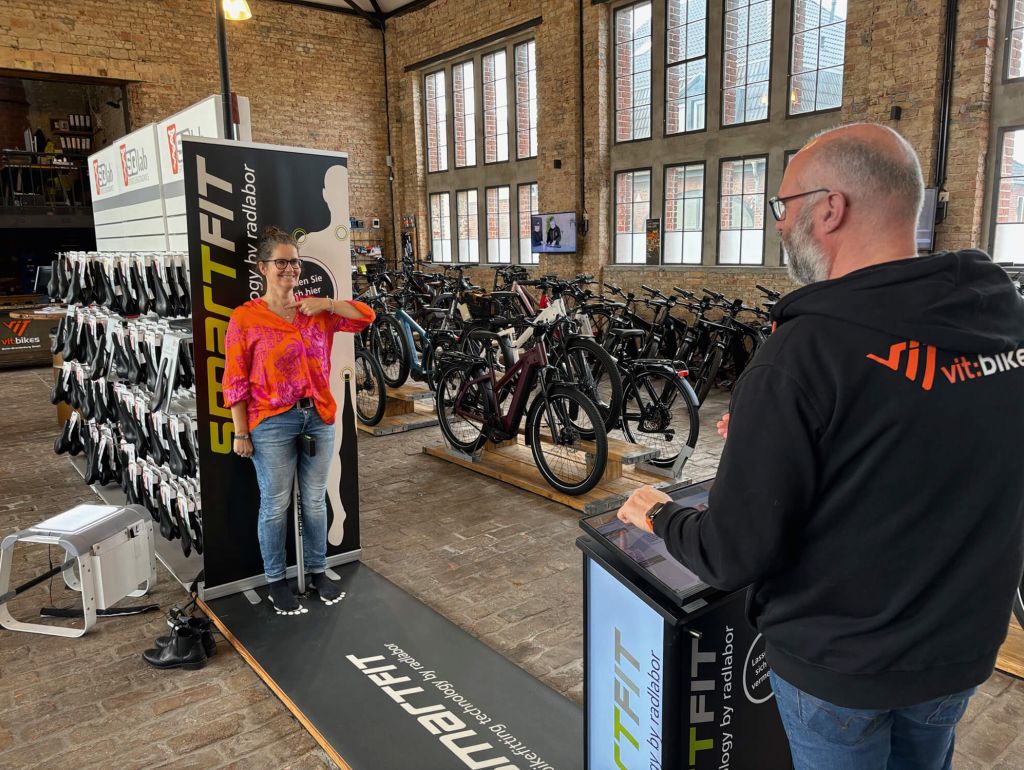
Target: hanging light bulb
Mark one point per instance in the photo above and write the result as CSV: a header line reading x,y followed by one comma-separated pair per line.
x,y
236,10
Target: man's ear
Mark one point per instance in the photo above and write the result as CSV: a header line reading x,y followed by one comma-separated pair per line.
x,y
834,212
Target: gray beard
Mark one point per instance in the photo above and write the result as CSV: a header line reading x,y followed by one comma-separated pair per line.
x,y
807,263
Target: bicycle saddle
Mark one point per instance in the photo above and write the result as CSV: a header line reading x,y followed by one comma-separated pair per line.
x,y
626,333
141,295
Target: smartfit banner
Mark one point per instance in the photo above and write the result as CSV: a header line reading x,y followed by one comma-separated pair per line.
x,y
233,190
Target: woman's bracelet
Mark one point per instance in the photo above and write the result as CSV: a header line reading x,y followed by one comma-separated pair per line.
x,y
243,436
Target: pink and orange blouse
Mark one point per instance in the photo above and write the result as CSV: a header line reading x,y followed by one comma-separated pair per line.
x,y
272,363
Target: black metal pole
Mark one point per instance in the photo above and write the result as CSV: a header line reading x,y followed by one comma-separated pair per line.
x,y
225,79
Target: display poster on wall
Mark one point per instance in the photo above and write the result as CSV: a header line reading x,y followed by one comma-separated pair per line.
x,y
233,190
653,241
624,678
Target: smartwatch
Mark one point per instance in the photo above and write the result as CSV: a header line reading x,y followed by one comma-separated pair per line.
x,y
652,512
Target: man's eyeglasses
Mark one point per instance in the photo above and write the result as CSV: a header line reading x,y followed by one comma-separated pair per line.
x,y
778,205
281,264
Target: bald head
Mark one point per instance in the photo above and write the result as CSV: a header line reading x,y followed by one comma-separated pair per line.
x,y
872,165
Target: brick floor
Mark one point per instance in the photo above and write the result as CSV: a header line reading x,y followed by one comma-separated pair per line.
x,y
499,562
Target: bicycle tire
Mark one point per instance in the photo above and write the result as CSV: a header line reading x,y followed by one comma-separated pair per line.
x,y
601,383
454,427
643,423
387,343
706,374
371,392
1018,603
433,356
593,459
600,322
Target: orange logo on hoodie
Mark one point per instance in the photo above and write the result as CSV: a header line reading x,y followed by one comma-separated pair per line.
x,y
913,350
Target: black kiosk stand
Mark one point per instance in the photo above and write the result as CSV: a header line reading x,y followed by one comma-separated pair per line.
x,y
675,678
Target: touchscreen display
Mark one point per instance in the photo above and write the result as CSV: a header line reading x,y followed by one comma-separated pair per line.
x,y
647,550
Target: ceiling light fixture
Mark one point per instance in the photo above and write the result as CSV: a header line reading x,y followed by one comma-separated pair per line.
x,y
236,10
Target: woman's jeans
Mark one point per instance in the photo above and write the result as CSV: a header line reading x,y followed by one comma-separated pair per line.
x,y
276,450
823,736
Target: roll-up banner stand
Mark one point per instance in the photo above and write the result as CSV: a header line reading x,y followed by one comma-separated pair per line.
x,y
233,190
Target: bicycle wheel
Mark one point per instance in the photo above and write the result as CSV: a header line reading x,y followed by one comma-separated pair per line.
x,y
432,357
371,394
465,434
600,322
567,461
592,370
660,411
707,373
386,341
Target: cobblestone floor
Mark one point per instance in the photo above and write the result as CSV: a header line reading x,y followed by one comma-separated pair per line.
x,y
499,562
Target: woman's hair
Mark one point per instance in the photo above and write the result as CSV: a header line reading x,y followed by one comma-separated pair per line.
x,y
270,239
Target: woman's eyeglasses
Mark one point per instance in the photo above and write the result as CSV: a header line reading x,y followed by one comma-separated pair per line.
x,y
281,264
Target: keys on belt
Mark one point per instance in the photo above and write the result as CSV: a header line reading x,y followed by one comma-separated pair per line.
x,y
303,403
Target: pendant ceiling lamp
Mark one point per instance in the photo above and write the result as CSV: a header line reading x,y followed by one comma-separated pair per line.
x,y
236,10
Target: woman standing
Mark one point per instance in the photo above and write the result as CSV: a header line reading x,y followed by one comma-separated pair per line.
x,y
277,383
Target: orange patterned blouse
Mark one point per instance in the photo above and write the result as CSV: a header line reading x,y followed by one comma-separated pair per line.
x,y
272,363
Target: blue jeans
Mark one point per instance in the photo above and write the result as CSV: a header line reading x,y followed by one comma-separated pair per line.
x,y
275,454
823,736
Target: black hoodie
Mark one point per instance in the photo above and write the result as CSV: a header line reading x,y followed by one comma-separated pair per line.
x,y
872,486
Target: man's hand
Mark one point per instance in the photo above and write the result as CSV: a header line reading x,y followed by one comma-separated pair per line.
x,y
314,305
723,426
634,510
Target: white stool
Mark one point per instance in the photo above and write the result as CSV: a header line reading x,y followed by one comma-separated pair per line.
x,y
112,547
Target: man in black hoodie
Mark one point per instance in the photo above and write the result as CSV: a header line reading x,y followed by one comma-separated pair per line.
x,y
871,488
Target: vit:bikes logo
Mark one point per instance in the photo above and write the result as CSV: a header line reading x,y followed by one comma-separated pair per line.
x,y
18,328
960,369
103,176
134,165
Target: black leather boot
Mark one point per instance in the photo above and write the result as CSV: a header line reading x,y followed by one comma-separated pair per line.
x,y
200,626
185,650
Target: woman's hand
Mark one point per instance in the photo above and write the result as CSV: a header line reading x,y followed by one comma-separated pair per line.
x,y
314,305
242,446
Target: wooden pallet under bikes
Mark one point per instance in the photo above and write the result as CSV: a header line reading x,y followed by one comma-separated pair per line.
x,y
408,408
512,462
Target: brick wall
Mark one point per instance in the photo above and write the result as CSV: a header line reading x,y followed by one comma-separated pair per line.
x,y
314,78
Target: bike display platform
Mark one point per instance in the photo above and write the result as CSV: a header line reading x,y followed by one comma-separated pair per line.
x,y
1011,654
408,408
380,680
512,462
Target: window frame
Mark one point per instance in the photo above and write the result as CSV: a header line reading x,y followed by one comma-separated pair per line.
x,y
426,126
994,189
430,219
456,260
519,238
508,112
455,152
615,204
765,214
486,238
789,72
664,82
664,210
722,126
1007,44
536,97
615,77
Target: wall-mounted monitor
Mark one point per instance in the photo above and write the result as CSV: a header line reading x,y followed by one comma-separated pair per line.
x,y
553,233
926,222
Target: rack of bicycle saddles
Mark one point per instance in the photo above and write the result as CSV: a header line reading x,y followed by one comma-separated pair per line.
x,y
581,367
126,345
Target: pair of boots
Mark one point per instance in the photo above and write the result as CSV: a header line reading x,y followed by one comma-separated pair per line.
x,y
189,646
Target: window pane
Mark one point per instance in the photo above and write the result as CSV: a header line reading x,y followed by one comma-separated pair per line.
x,y
632,209
746,61
440,227
817,56
464,111
1009,229
633,72
436,119
741,211
686,54
526,100
495,107
468,224
527,206
499,229
684,206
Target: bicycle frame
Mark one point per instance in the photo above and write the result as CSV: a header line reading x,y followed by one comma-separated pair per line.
x,y
416,360
529,366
